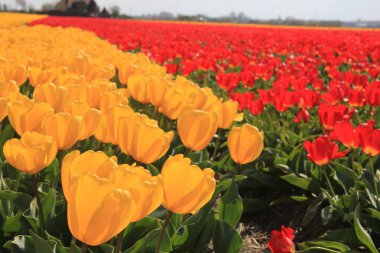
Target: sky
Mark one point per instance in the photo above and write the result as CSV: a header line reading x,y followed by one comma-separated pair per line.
x,y
345,10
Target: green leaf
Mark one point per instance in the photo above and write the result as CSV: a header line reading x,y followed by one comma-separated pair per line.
x,y
21,201
288,199
324,246
48,205
374,213
29,244
327,214
345,235
312,209
362,234
150,242
5,135
226,239
153,169
307,184
231,205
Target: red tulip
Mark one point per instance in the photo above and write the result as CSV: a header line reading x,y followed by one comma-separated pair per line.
x,y
302,115
282,241
322,151
368,138
329,115
356,98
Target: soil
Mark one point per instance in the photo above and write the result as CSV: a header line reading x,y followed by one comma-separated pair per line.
x,y
255,229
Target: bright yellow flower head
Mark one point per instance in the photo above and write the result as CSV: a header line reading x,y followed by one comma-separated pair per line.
x,y
141,138
97,210
145,189
245,143
27,116
32,153
64,128
197,128
187,188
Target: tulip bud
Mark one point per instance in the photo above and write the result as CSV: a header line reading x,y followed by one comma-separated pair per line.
x,y
141,138
32,153
197,128
64,128
27,116
245,143
146,189
189,193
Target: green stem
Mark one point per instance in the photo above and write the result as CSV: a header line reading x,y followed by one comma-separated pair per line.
x,y
39,205
161,237
374,182
119,242
335,203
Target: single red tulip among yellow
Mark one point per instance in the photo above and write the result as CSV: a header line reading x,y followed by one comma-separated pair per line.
x,y
27,116
97,163
186,187
32,153
145,189
97,210
141,138
196,128
245,143
64,128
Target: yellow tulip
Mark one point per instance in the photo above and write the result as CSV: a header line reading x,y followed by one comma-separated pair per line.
x,y
32,153
9,90
125,70
51,94
226,112
187,188
141,138
97,210
17,74
96,89
28,116
39,76
197,128
91,117
175,101
110,99
137,86
146,189
245,143
107,129
156,88
3,108
97,163
64,128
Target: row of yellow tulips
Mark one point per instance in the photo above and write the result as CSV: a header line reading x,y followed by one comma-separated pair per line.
x,y
66,96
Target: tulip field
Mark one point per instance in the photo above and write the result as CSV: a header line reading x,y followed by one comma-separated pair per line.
x,y
151,136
